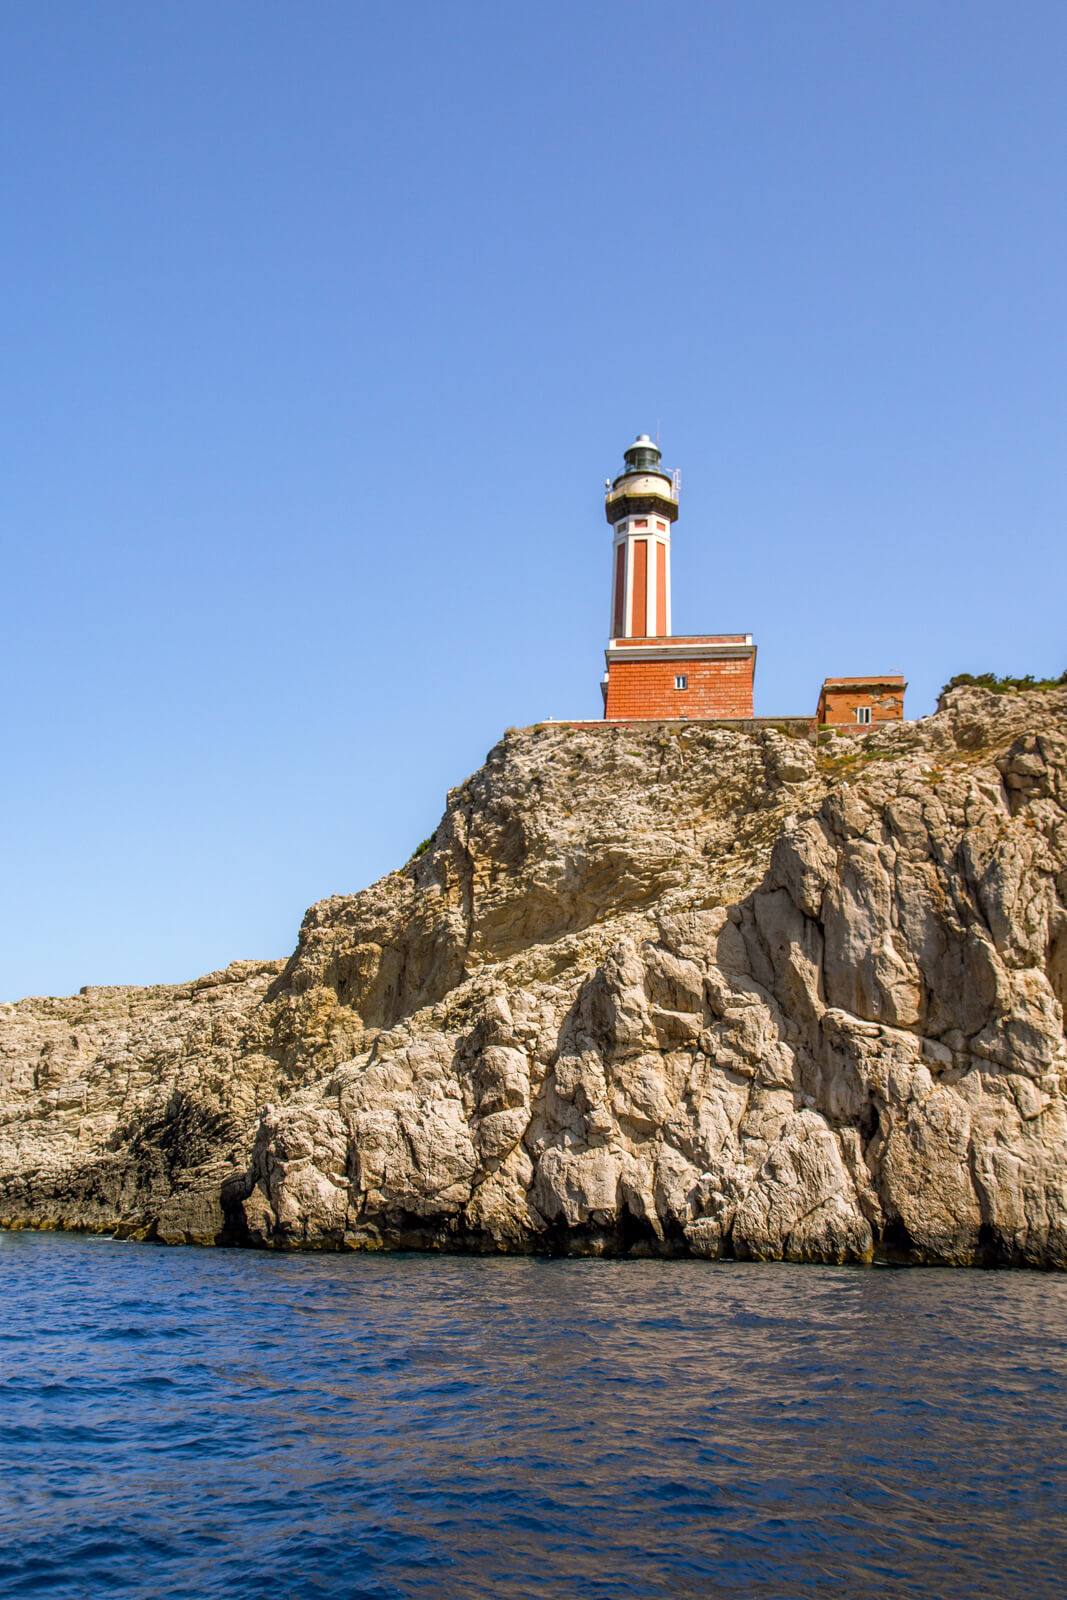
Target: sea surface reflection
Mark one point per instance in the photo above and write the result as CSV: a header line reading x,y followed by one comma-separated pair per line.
x,y
199,1423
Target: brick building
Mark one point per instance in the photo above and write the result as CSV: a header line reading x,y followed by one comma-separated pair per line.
x,y
851,704
655,675
652,673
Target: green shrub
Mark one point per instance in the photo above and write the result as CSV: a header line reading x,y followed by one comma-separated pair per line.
x,y
989,680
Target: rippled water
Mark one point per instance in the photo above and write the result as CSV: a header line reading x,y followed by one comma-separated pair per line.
x,y
200,1423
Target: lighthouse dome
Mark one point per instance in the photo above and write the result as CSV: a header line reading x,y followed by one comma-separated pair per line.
x,y
643,455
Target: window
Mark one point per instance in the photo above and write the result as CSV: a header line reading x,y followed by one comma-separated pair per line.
x,y
863,714
681,681
641,522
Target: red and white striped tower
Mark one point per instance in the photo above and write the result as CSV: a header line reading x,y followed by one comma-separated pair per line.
x,y
641,504
653,674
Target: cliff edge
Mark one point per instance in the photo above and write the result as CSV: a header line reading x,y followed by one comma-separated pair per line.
x,y
649,990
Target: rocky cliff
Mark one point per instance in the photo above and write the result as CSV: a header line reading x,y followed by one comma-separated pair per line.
x,y
650,990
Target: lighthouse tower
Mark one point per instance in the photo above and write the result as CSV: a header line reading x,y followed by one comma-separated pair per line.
x,y
653,674
641,505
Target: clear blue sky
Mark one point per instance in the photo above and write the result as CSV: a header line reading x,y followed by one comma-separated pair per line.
x,y
323,325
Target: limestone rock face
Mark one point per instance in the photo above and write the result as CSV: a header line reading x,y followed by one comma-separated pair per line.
x,y
649,991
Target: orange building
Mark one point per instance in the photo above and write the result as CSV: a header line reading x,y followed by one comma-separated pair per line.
x,y
651,673
855,703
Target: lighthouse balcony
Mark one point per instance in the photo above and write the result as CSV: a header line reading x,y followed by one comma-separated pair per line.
x,y
641,494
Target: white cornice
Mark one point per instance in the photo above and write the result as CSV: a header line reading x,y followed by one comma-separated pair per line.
x,y
625,651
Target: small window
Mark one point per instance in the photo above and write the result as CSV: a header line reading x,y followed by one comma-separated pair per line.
x,y
863,713
662,526
681,681
641,522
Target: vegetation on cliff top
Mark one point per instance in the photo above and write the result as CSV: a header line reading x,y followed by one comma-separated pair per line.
x,y
989,680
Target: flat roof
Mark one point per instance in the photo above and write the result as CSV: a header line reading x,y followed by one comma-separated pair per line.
x,y
868,677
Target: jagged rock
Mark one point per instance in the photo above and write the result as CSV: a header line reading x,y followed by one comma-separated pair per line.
x,y
648,991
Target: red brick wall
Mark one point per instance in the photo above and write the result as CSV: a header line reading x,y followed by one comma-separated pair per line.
x,y
639,689
840,707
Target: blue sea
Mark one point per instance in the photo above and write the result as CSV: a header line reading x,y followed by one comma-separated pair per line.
x,y
181,1422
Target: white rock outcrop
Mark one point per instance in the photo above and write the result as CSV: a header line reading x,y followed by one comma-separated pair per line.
x,y
653,991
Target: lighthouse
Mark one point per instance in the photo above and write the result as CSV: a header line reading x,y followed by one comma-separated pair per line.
x,y
653,674
641,505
